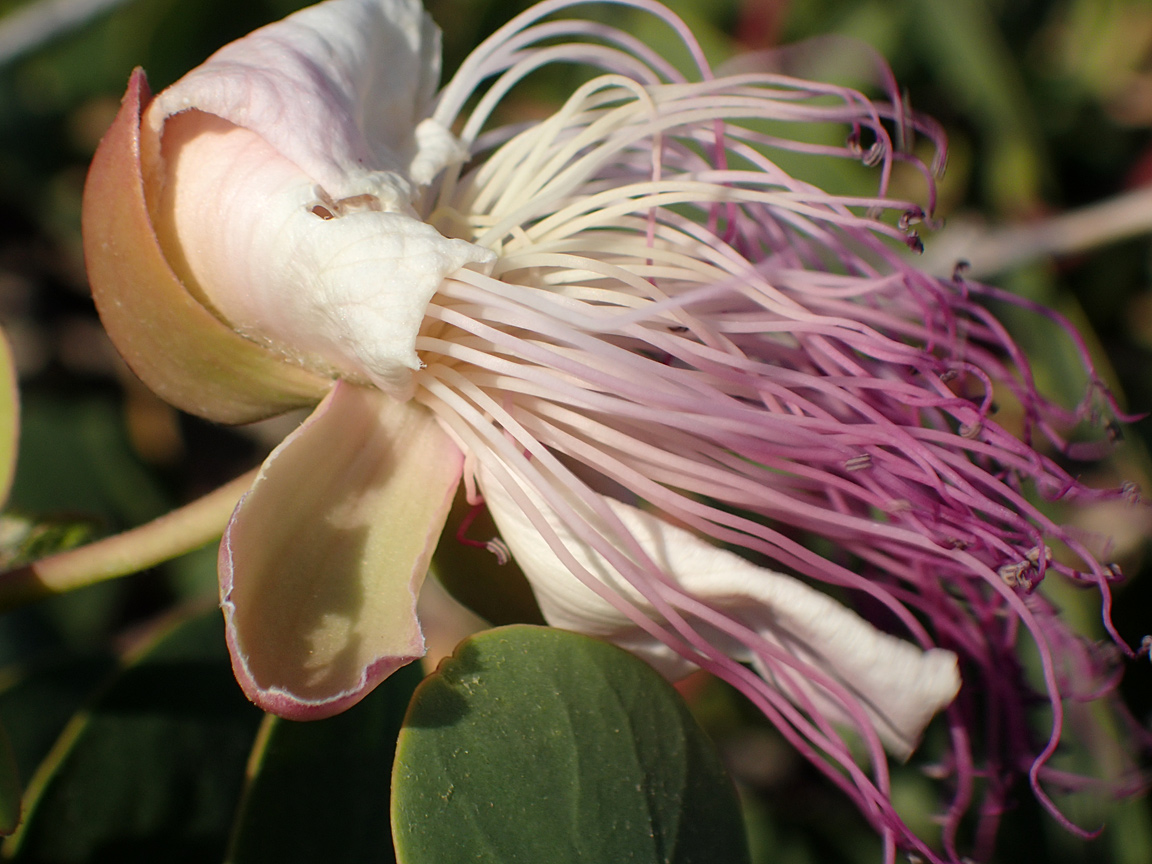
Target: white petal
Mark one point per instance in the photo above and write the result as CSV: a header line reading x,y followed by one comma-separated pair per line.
x,y
899,685
183,352
436,149
338,285
338,88
323,559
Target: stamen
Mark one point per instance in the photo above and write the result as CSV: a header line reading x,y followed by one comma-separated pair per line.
x,y
494,545
329,209
753,358
500,549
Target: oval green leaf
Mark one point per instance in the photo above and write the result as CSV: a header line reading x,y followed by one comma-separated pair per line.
x,y
330,775
153,769
532,744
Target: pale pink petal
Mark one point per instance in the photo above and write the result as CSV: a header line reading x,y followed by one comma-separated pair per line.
x,y
899,686
339,88
323,560
338,285
176,346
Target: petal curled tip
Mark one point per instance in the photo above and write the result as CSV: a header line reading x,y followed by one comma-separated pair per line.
x,y
323,560
169,339
293,161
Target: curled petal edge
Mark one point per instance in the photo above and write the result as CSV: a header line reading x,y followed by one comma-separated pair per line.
x,y
898,685
173,343
322,562
342,89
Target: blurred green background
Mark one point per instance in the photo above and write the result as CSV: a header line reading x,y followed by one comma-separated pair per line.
x,y
1047,105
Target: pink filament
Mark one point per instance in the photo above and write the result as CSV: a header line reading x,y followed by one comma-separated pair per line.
x,y
760,364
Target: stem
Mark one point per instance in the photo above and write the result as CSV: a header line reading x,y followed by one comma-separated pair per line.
x,y
994,250
172,535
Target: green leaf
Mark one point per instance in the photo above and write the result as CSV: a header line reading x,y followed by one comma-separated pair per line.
x,y
9,786
152,771
38,699
982,74
534,744
24,538
9,417
76,458
330,775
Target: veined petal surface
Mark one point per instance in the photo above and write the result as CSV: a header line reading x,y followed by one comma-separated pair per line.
x,y
898,685
339,88
322,562
177,347
338,285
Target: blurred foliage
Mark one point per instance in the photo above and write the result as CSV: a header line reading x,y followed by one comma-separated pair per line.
x,y
1047,105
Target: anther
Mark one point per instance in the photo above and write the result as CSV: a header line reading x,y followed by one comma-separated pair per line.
x,y
853,142
970,431
500,549
1013,574
328,209
1036,552
495,545
911,216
